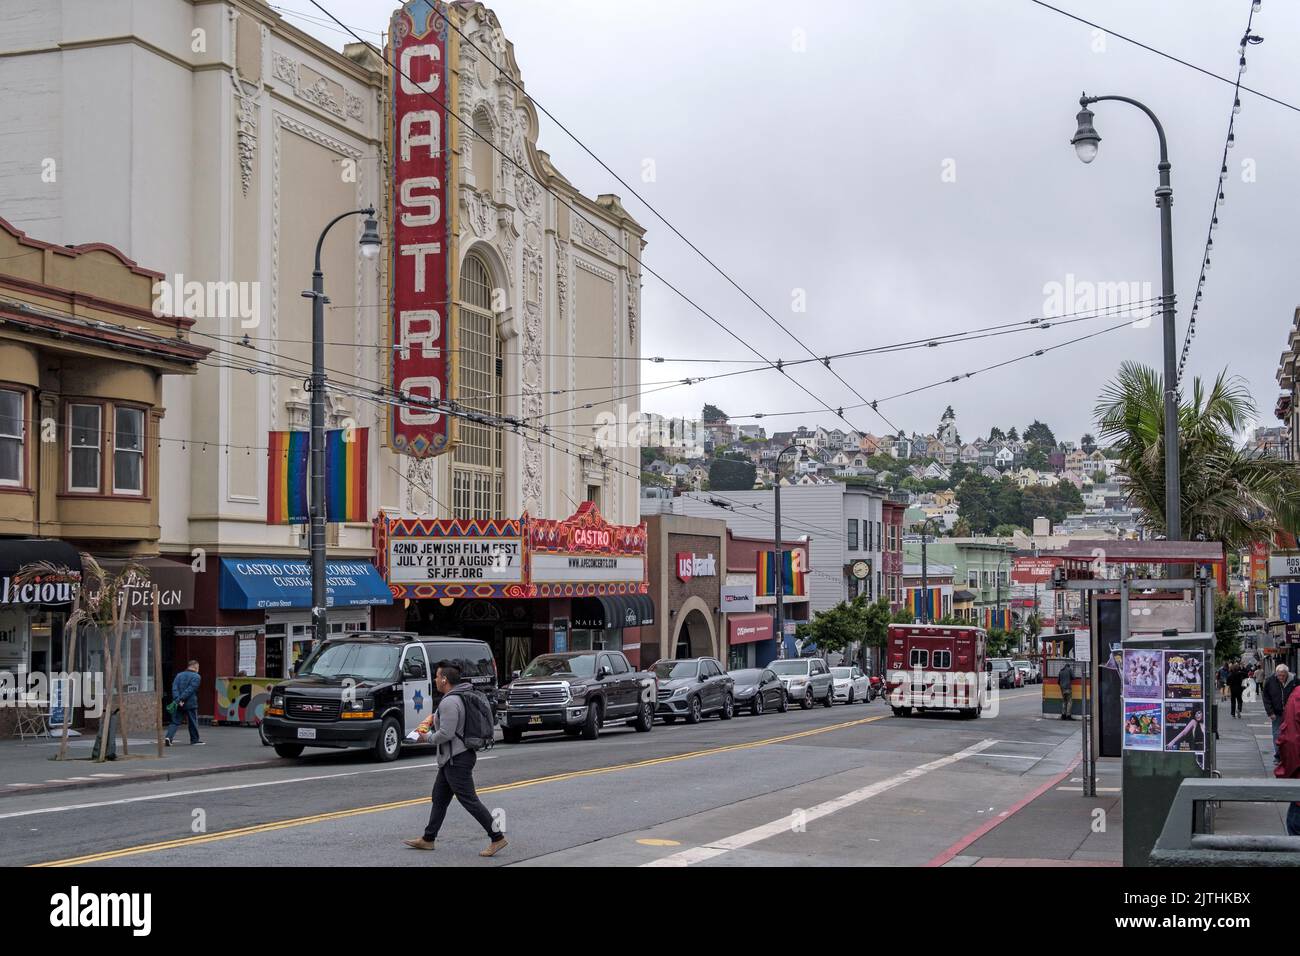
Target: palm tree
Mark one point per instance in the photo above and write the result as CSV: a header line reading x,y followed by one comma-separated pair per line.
x,y
1227,495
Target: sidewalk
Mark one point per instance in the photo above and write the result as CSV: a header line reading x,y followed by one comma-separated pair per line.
x,y
1056,826
29,766
1246,750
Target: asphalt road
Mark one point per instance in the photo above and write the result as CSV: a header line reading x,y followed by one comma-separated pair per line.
x,y
850,785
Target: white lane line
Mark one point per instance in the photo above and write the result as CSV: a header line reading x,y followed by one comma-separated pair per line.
x,y
190,793
782,825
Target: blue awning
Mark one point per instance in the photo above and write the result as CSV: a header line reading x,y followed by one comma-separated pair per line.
x,y
249,584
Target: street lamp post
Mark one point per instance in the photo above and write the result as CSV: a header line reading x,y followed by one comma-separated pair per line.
x,y
780,553
925,576
1085,142
370,243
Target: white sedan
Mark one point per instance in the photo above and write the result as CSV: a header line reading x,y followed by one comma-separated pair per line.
x,y
851,685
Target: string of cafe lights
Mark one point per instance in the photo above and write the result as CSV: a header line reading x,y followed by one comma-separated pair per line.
x,y
645,268
1247,39
1255,4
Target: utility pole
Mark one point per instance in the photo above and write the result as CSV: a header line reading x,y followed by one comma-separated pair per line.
x,y
780,555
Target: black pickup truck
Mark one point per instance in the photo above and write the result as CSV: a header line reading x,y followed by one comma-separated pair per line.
x,y
577,692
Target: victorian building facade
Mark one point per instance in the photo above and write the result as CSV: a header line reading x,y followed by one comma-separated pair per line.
x,y
215,140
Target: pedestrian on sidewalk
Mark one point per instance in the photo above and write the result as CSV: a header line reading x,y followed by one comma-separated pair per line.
x,y
1066,681
1236,680
1288,748
185,695
456,760
1223,681
1277,689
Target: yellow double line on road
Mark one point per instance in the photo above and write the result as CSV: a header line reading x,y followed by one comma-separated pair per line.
x,y
400,804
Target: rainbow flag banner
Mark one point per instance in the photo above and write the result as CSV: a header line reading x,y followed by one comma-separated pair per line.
x,y
287,470
286,478
918,599
992,618
345,474
792,575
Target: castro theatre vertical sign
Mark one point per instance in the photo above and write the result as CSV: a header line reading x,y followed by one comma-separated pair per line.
x,y
422,202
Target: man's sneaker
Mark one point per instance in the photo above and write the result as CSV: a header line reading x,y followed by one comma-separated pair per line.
x,y
167,741
493,848
197,743
419,843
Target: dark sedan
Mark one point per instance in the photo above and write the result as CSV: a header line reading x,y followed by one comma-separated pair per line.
x,y
759,689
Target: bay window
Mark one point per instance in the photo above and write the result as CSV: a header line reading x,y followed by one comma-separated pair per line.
x,y
84,439
12,432
128,451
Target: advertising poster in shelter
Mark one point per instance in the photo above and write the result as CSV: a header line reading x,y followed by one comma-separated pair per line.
x,y
1143,675
1184,726
1143,722
1183,675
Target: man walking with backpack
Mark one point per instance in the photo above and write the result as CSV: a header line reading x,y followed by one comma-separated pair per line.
x,y
462,727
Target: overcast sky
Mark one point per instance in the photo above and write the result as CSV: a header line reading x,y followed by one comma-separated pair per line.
x,y
806,149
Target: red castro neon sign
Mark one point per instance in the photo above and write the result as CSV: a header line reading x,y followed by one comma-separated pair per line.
x,y
422,206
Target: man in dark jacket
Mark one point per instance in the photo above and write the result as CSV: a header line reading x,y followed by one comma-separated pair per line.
x,y
1277,690
185,693
1066,681
1236,679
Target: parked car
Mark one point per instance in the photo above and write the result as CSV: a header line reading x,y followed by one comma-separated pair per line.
x,y
366,689
1005,674
1030,670
851,685
806,679
693,688
759,689
577,692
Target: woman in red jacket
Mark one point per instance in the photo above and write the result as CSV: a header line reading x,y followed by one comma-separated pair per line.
x,y
1288,746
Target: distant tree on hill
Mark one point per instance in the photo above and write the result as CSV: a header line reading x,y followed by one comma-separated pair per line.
x,y
996,434
1013,435
1040,435
712,413
1088,444
731,474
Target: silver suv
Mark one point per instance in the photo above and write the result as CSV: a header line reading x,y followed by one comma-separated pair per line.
x,y
806,679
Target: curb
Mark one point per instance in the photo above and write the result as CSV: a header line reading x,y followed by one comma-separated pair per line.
x,y
155,777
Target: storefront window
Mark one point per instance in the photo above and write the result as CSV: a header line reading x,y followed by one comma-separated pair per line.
x,y
13,638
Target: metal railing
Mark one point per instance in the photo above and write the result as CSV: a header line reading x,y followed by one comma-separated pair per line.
x,y
1179,846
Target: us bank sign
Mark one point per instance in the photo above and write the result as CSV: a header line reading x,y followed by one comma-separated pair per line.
x,y
421,138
